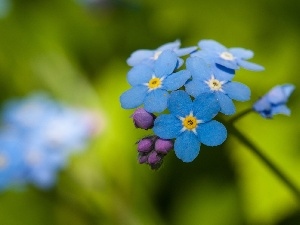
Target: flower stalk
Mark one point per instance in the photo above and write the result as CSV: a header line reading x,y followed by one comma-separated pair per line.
x,y
265,159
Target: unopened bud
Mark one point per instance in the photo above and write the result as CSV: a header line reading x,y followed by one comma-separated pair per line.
x,y
145,145
163,146
143,119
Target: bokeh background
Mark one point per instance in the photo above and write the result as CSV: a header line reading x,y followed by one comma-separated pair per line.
x,y
76,51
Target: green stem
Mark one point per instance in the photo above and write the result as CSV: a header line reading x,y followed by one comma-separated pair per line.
x,y
271,166
239,115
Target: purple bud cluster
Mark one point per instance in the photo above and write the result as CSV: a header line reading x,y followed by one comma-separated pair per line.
x,y
152,150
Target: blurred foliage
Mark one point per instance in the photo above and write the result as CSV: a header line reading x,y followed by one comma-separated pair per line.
x,y
76,50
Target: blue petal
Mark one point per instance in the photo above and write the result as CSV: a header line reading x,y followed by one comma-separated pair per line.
x,y
187,146
212,45
228,73
134,97
212,133
198,68
170,46
276,95
139,74
231,64
156,101
167,126
221,73
206,106
176,80
180,103
138,56
288,89
262,104
205,55
165,64
237,91
280,93
249,66
179,62
185,51
196,87
281,109
241,53
226,104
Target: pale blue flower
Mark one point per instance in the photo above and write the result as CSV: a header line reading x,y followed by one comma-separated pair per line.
x,y
42,135
216,82
150,86
148,57
232,58
274,102
190,123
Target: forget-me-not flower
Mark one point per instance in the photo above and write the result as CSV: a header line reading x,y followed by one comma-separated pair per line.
x,y
150,86
38,136
209,79
190,122
148,57
232,58
11,159
274,102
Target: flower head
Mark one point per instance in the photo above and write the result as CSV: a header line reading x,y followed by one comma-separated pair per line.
x,y
191,124
232,58
274,102
215,82
150,86
148,57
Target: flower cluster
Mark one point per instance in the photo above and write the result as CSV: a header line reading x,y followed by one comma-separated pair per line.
x,y
180,104
37,137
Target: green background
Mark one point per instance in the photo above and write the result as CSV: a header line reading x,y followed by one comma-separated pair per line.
x,y
78,54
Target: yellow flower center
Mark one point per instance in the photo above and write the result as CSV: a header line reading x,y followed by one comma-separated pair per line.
x,y
190,122
154,83
214,84
226,56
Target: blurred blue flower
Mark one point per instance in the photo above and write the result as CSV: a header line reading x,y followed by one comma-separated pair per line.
x,y
5,8
190,122
148,57
232,58
209,79
274,102
42,135
11,159
150,86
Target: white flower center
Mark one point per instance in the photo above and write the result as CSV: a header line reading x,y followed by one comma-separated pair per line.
x,y
3,161
214,84
226,56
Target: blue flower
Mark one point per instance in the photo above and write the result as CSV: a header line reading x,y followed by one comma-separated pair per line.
x,y
148,57
39,136
150,86
216,82
274,102
11,159
232,58
190,122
